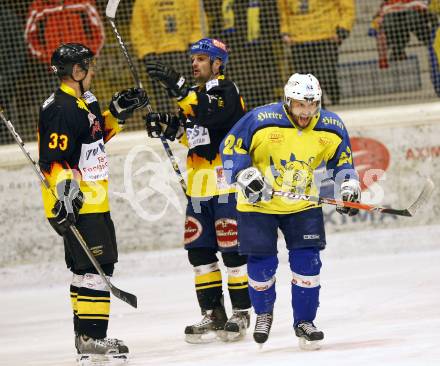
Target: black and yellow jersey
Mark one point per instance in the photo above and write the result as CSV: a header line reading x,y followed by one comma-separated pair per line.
x,y
211,111
286,155
71,136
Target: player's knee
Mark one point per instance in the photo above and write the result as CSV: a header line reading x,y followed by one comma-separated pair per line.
x,y
305,261
201,256
261,271
94,281
234,259
305,265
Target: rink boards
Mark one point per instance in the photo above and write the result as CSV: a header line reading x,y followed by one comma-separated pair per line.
x,y
401,144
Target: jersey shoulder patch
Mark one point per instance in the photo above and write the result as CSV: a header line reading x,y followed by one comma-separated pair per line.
x,y
89,97
48,101
211,84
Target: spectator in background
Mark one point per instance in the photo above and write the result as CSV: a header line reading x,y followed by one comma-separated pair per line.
x,y
393,25
162,31
247,26
12,61
314,30
53,22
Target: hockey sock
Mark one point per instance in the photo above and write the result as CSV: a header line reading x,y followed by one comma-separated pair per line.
x,y
238,287
74,286
261,271
93,305
237,280
305,265
208,282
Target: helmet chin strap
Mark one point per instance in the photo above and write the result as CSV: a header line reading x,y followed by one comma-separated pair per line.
x,y
80,82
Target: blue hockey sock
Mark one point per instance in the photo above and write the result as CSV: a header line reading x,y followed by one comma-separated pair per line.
x,y
305,264
261,273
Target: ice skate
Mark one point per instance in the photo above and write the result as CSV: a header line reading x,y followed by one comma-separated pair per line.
x,y
235,327
206,330
100,352
309,336
262,327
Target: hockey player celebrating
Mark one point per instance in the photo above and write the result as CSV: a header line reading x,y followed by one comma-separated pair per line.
x,y
277,147
72,132
208,111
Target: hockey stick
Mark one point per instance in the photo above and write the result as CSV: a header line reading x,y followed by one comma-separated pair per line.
x,y
110,12
423,198
124,296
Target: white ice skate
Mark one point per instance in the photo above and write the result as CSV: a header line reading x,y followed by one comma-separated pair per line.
x,y
101,352
235,327
207,330
309,337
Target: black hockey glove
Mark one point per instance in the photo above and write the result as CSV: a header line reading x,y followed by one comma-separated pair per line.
x,y
253,185
342,34
173,82
66,208
165,124
125,102
350,192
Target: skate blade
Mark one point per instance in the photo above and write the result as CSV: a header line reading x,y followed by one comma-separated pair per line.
x,y
87,359
306,345
201,338
226,336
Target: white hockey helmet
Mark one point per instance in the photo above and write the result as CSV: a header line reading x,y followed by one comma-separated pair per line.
x,y
304,87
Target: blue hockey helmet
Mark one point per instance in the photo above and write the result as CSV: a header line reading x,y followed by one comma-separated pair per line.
x,y
211,47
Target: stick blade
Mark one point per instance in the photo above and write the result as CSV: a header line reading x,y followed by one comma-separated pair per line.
x,y
112,7
130,299
423,198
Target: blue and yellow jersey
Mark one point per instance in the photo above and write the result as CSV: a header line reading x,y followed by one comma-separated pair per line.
x,y
211,111
72,133
268,139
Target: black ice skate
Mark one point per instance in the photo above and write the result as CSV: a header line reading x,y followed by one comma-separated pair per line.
x,y
309,336
105,351
235,327
262,327
206,330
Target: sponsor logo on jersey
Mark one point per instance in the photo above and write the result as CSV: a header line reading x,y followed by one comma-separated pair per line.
x,y
333,121
269,115
276,137
193,230
96,127
226,231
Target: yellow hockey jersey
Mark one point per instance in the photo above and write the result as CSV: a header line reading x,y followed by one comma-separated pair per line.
x,y
72,133
286,155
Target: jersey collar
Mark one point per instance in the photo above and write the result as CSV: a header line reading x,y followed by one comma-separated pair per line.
x,y
67,89
311,125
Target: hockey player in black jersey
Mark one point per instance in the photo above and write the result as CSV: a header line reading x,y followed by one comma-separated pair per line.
x,y
207,112
72,134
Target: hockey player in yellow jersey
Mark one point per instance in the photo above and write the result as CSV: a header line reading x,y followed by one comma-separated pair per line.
x,y
72,133
208,111
278,147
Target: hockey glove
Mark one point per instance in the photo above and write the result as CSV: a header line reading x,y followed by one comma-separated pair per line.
x,y
125,102
253,185
173,82
342,34
350,192
164,123
66,208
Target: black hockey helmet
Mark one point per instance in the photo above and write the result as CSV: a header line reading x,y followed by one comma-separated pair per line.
x,y
69,54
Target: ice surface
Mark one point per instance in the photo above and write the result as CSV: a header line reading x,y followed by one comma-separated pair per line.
x,y
380,305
